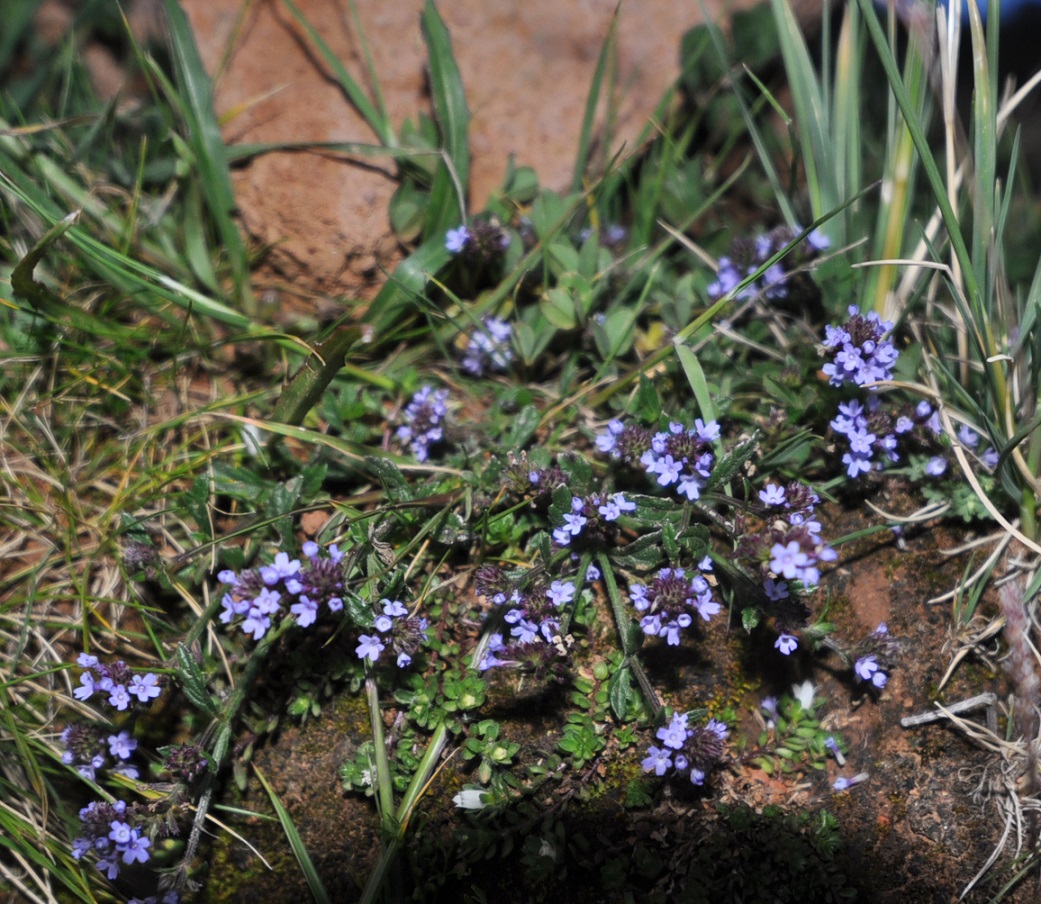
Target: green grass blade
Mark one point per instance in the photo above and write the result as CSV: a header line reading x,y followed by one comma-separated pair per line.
x,y
696,379
314,882
448,192
914,126
585,136
810,112
204,136
396,302
376,119
765,156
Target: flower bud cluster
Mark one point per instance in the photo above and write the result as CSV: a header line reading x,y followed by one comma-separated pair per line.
x,y
672,599
262,596
679,457
686,750
117,680
423,416
748,255
186,762
528,481
396,629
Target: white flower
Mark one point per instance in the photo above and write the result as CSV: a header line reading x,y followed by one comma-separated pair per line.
x,y
546,849
470,799
804,694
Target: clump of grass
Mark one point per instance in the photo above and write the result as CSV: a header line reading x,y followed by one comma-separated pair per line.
x,y
600,406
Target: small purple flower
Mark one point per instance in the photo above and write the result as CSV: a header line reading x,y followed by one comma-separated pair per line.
x,y
122,745
488,348
120,832
306,612
87,688
145,687
833,746
936,466
369,647
772,494
456,239
865,667
968,436
136,848
844,784
613,508
423,416
282,568
786,643
119,697
256,623
769,708
560,593
109,866
674,735
788,560
658,761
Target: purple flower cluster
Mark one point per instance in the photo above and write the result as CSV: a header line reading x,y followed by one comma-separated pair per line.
x,y
533,613
111,832
489,347
787,551
876,436
859,354
671,600
686,750
482,238
680,457
396,629
748,255
88,747
592,519
875,655
117,680
423,416
260,596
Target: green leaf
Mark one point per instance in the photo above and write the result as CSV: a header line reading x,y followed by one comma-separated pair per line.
x,y
696,379
750,618
396,303
620,692
193,682
523,427
733,461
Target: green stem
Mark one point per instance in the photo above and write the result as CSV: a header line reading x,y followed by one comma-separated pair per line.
x,y
384,782
621,620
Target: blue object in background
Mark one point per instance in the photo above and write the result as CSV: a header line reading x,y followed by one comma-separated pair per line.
x,y
1010,9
